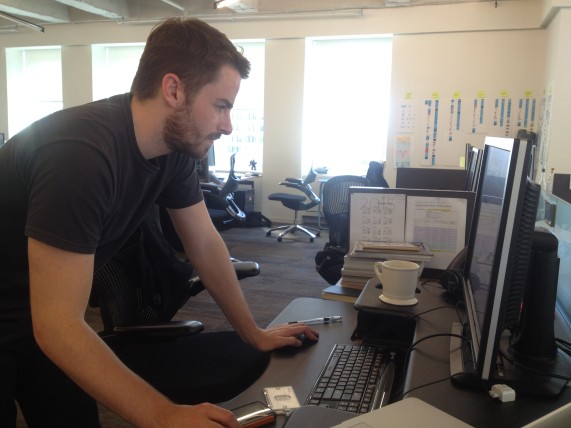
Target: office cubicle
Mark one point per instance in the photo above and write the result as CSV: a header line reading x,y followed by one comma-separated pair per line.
x,y
440,218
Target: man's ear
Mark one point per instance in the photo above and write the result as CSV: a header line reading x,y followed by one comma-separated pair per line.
x,y
172,89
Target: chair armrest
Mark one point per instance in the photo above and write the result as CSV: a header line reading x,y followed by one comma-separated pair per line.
x,y
292,180
246,269
297,186
210,187
164,329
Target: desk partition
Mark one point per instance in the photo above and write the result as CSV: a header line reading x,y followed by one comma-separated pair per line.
x,y
439,218
554,214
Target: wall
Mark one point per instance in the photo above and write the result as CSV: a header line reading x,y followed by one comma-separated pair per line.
x,y
444,48
558,60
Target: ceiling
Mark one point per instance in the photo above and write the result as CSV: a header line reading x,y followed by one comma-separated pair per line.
x,y
48,12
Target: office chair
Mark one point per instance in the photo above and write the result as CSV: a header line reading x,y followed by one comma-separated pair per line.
x,y
335,207
297,202
375,174
138,292
220,202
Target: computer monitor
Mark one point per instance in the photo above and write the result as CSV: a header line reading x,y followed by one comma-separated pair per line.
x,y
496,273
431,178
473,168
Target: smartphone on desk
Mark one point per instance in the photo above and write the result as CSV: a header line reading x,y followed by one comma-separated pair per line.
x,y
254,414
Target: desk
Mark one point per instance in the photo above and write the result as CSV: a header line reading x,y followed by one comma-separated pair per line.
x,y
300,367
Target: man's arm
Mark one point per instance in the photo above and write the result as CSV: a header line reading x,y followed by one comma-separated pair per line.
x,y
209,256
60,284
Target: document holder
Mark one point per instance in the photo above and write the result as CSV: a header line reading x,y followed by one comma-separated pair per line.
x,y
379,321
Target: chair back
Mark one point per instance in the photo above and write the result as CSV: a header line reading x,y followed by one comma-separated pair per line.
x,y
375,174
335,207
144,282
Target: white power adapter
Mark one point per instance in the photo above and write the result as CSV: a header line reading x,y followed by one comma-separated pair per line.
x,y
503,393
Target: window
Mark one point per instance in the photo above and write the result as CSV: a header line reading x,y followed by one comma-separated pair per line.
x,y
346,103
114,67
247,138
34,85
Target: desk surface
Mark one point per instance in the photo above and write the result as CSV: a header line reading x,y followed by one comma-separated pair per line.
x,y
299,368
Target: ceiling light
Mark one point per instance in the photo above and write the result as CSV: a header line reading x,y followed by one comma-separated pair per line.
x,y
21,21
173,4
238,5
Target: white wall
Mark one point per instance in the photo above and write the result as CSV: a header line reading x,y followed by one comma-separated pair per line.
x,y
558,60
461,66
444,48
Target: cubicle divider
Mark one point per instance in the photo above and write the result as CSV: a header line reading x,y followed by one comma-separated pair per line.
x,y
439,218
554,214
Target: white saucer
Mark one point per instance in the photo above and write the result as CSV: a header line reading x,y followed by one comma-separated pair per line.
x,y
398,302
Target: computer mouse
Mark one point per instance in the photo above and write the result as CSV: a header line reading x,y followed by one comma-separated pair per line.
x,y
306,341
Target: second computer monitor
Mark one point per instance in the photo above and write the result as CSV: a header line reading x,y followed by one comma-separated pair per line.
x,y
431,178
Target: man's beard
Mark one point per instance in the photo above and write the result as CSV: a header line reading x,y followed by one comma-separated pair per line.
x,y
182,134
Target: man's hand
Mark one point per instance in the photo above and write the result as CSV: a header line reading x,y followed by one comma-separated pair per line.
x,y
282,335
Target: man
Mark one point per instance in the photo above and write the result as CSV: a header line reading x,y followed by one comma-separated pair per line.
x,y
74,186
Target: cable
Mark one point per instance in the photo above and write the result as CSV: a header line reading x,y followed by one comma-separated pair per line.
x,y
430,310
412,347
405,393
531,369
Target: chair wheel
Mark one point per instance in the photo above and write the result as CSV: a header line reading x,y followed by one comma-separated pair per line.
x,y
318,234
279,239
310,239
268,233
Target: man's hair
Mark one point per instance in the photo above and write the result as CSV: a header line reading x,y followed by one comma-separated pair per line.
x,y
189,48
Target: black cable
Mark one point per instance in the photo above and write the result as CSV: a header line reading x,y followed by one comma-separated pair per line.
x,y
531,369
430,310
413,346
404,394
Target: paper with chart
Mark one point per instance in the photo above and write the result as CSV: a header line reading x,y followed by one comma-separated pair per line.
x,y
440,222
377,217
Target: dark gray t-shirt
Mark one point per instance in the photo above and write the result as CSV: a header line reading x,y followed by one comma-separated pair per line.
x,y
76,180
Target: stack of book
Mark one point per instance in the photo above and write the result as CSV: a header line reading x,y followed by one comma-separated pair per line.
x,y
358,265
359,262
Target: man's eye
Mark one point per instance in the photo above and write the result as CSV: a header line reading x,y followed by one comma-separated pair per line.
x,y
221,107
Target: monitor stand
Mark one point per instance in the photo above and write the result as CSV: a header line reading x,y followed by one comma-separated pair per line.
x,y
533,376
525,376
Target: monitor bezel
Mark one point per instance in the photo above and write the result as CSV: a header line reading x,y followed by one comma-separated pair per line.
x,y
473,168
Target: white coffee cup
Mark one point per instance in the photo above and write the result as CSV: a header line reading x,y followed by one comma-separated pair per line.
x,y
399,279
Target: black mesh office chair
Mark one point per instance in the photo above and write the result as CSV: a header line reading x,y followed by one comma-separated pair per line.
x,y
335,207
376,174
138,292
220,202
297,202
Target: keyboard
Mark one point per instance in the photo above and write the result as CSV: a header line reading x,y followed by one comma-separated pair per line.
x,y
355,378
